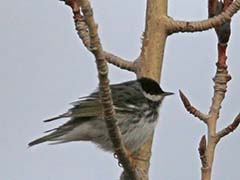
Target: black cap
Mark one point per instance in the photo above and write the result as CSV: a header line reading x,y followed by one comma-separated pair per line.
x,y
150,86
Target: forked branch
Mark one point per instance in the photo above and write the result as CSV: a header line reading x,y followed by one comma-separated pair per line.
x,y
207,147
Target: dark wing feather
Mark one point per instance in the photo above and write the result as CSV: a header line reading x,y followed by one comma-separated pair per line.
x,y
90,106
52,136
83,108
87,108
60,131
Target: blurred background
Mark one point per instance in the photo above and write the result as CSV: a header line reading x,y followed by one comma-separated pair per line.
x,y
44,67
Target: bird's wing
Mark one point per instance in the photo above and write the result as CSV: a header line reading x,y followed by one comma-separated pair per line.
x,y
124,95
127,96
89,107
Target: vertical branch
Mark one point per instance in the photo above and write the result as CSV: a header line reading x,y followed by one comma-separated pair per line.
x,y
105,92
208,144
221,78
149,64
220,87
154,39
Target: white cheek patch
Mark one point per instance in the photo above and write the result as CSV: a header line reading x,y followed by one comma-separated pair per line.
x,y
152,97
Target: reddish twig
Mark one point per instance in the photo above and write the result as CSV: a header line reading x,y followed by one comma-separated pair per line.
x,y
222,56
191,109
223,30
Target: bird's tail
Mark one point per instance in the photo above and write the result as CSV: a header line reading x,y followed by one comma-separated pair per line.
x,y
38,141
51,137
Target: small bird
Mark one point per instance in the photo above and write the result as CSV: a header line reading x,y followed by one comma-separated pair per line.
x,y
136,104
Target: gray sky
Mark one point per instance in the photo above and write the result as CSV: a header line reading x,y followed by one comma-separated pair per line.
x,y
44,67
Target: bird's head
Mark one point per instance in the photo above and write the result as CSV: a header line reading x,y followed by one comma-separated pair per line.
x,y
152,90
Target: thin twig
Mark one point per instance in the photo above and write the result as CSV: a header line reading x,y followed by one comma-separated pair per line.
x,y
120,62
105,92
175,26
191,109
230,128
83,33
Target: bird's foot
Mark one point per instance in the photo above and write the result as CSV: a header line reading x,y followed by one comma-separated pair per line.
x,y
130,156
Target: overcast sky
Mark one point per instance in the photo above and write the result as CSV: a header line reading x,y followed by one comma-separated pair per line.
x,y
44,67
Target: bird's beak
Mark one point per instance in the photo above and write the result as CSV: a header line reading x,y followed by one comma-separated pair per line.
x,y
167,93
